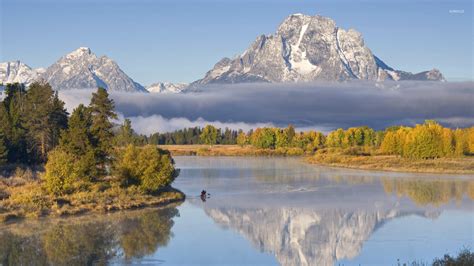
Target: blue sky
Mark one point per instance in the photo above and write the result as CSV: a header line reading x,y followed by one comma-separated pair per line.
x,y
180,40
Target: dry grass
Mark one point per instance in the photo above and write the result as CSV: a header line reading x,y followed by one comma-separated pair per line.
x,y
228,150
28,199
462,165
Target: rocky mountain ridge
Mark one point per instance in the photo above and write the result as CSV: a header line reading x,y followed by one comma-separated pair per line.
x,y
308,48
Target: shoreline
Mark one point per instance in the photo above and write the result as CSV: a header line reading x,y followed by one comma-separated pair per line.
x,y
62,207
387,163
228,150
397,164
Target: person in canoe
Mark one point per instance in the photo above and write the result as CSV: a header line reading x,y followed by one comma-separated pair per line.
x,y
204,195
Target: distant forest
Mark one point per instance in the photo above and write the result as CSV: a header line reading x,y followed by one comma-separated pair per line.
x,y
424,141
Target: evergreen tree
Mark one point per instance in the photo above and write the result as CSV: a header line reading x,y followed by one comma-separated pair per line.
x,y
77,139
14,104
290,133
4,128
58,118
3,151
126,135
37,111
102,111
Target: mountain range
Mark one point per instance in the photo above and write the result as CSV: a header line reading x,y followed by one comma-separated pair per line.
x,y
303,49
302,236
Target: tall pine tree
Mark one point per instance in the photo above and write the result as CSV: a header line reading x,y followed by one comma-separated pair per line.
x,y
58,118
102,111
77,139
14,105
44,117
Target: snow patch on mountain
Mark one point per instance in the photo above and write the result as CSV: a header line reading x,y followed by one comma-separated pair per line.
x,y
167,87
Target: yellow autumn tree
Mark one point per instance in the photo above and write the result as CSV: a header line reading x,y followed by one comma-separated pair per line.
x,y
424,141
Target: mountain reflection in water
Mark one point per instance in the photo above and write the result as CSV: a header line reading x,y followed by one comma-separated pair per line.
x,y
265,211
307,215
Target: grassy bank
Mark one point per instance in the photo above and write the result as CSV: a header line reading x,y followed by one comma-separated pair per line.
x,y
228,150
458,165
24,196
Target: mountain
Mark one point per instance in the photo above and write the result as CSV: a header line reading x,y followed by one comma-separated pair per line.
x,y
302,236
18,72
308,48
82,69
167,87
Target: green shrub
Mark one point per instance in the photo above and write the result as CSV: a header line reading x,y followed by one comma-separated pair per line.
x,y
149,167
60,173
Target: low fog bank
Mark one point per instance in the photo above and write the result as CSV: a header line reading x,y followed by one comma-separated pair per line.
x,y
322,106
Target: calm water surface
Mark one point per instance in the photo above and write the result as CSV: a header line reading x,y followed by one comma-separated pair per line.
x,y
266,211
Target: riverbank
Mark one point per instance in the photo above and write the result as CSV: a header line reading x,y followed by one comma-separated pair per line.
x,y
22,199
336,158
228,150
461,165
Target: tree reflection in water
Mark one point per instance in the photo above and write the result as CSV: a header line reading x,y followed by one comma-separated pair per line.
x,y
87,240
432,191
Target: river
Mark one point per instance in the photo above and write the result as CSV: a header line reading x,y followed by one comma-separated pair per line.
x,y
266,211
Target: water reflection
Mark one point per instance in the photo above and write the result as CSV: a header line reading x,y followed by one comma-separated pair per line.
x,y
305,236
307,215
425,192
265,207
87,240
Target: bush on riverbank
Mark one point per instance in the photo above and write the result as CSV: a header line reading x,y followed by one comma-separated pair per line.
x,y
149,168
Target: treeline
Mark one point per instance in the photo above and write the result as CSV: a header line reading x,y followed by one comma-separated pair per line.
x,y
424,141
192,136
79,151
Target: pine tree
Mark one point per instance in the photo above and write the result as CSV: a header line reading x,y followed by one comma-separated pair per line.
x,y
14,104
102,111
5,128
37,121
126,134
58,118
3,151
77,139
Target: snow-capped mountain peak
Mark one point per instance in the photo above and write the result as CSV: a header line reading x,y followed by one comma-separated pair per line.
x,y
79,69
307,48
82,69
80,52
18,72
